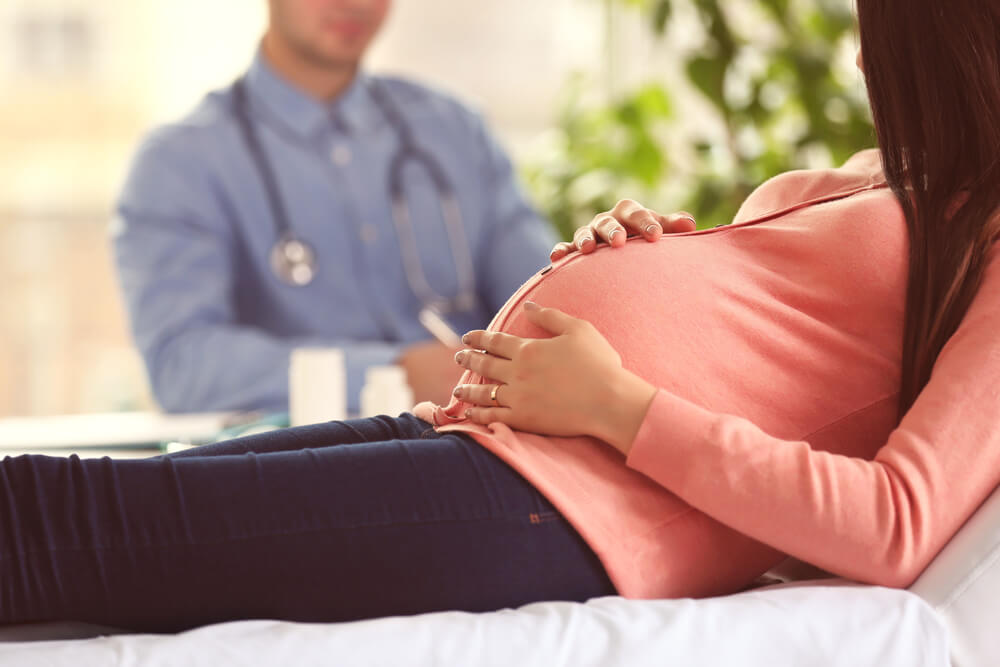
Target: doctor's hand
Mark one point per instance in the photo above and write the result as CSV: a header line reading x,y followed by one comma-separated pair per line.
x,y
571,384
430,371
627,218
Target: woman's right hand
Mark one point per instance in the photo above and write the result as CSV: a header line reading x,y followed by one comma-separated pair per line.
x,y
627,218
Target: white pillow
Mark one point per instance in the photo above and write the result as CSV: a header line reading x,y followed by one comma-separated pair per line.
x,y
963,585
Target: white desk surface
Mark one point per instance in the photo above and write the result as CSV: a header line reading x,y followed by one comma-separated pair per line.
x,y
115,434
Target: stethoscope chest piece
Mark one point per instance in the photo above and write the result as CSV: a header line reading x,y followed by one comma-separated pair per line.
x,y
293,261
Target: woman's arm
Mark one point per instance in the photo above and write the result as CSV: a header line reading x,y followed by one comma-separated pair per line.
x,y
880,521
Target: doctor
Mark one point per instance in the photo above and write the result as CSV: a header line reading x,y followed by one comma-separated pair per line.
x,y
312,204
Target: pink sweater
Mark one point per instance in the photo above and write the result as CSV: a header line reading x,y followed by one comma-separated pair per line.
x,y
775,343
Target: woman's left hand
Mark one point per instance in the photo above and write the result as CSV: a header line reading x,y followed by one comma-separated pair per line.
x,y
570,384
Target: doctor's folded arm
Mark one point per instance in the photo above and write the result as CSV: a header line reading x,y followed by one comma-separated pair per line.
x,y
312,204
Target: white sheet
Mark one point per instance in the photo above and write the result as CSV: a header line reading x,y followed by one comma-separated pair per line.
x,y
797,626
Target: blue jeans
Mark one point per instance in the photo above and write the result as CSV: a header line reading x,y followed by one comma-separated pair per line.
x,y
331,522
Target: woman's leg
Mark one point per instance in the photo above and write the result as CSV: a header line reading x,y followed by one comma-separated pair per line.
x,y
348,432
319,534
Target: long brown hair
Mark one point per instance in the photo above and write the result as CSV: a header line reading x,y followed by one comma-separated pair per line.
x,y
933,76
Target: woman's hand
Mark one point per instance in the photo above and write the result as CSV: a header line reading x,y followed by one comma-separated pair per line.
x,y
627,218
571,384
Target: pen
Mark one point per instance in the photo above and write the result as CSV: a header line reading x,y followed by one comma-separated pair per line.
x,y
439,327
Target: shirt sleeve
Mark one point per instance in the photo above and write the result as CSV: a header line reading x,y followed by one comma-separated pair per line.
x,y
175,254
517,240
879,521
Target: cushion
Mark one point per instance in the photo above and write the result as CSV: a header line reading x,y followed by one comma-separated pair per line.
x,y
963,585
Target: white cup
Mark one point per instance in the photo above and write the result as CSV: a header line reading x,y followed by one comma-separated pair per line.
x,y
317,385
386,392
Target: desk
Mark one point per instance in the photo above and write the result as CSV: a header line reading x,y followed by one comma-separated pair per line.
x,y
124,434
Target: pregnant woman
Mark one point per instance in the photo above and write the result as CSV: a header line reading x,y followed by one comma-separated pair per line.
x,y
662,416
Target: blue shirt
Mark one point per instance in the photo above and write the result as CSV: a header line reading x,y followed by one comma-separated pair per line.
x,y
216,326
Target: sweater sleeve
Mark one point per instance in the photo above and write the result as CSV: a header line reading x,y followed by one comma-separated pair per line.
x,y
880,521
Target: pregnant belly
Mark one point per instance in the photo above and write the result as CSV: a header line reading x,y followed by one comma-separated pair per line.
x,y
698,317
668,317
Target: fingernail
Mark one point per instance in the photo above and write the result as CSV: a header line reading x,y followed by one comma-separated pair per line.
x,y
531,305
468,414
585,239
465,339
459,356
693,221
611,236
650,228
456,391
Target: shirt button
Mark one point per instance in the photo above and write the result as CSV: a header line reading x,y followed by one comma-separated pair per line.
x,y
341,155
368,233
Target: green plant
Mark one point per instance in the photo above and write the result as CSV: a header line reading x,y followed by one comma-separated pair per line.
x,y
776,100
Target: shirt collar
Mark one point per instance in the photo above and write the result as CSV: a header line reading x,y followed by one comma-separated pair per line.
x,y
353,110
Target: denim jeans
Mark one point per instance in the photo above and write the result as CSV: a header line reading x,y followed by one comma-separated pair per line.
x,y
330,522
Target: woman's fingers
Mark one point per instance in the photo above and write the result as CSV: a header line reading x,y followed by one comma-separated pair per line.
x,y
677,223
584,239
560,250
484,364
495,342
637,219
608,229
552,320
483,394
627,218
486,416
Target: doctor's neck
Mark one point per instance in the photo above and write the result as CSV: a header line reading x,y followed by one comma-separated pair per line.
x,y
320,78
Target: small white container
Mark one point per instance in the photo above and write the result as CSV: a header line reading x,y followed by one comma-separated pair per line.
x,y
317,385
386,392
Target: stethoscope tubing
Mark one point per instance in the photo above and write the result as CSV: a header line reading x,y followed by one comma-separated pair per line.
x,y
408,152
261,162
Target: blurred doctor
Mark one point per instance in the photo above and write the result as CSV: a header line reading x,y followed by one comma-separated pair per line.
x,y
313,204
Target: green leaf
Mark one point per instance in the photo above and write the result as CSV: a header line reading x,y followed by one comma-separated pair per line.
x,y
620,149
708,75
653,100
661,15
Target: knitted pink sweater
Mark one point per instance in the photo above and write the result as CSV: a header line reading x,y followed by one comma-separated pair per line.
x,y
775,343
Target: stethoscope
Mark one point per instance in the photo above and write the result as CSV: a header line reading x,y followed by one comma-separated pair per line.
x,y
293,260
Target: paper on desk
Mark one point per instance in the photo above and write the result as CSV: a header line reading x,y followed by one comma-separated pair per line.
x,y
109,430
